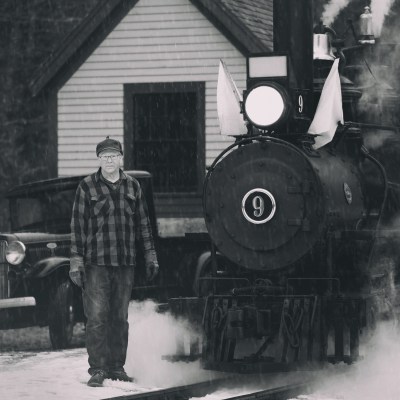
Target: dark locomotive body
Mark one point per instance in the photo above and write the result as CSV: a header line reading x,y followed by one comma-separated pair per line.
x,y
310,196
312,284
302,254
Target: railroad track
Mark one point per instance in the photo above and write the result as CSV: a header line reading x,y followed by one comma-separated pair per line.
x,y
278,393
201,389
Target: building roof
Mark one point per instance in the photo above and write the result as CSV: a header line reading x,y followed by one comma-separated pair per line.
x,y
248,24
256,15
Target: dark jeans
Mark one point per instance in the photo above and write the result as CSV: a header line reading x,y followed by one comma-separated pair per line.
x,y
106,299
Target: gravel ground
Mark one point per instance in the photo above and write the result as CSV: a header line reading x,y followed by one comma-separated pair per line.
x,y
36,339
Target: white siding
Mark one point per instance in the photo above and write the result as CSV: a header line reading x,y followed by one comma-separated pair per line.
x,y
158,41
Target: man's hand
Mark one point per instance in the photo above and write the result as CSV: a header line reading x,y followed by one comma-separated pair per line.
x,y
77,271
151,271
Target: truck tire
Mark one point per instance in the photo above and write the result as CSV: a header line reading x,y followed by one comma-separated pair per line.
x,y
61,315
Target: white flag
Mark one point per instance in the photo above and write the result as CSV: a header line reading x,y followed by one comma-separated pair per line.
x,y
329,110
228,104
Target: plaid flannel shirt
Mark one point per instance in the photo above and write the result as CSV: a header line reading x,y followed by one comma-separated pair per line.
x,y
106,222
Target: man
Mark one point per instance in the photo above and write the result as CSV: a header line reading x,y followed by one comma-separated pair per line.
x,y
109,212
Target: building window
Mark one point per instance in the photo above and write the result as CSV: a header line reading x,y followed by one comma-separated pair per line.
x,y
164,133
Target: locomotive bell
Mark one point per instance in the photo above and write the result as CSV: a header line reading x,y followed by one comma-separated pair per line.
x,y
322,47
366,27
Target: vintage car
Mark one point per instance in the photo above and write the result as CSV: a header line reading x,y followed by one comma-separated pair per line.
x,y
35,288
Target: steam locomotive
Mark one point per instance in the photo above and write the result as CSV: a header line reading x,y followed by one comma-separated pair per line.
x,y
303,252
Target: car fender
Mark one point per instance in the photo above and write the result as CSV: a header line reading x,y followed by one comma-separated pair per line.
x,y
48,265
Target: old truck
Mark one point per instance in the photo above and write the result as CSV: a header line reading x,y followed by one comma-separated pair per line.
x,y
35,289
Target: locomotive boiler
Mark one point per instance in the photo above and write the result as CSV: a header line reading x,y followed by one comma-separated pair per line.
x,y
302,258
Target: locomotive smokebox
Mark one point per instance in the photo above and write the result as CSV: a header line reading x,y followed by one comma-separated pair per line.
x,y
262,205
267,204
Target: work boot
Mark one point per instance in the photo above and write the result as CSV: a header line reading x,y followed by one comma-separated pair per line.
x,y
97,378
119,375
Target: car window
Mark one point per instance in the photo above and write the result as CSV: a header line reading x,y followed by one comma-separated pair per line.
x,y
28,212
43,212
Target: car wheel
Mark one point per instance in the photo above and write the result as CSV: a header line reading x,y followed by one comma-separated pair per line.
x,y
61,316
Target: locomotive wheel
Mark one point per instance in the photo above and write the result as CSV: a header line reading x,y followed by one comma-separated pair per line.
x,y
224,269
61,316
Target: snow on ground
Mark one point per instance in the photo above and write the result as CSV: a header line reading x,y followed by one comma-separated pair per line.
x,y
63,374
51,375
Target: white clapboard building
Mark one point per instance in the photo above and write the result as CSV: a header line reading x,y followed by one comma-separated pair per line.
x,y
145,72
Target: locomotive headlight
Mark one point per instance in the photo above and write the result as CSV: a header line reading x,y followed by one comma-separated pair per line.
x,y
15,253
266,104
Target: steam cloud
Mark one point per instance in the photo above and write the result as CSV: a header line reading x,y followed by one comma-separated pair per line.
x,y
379,8
153,335
332,9
375,377
376,139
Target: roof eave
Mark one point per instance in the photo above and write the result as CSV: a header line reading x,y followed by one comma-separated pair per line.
x,y
75,41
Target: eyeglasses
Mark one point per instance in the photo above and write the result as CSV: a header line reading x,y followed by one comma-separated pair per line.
x,y
114,157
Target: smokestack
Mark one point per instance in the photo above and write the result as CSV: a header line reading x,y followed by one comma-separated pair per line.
x,y
293,34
